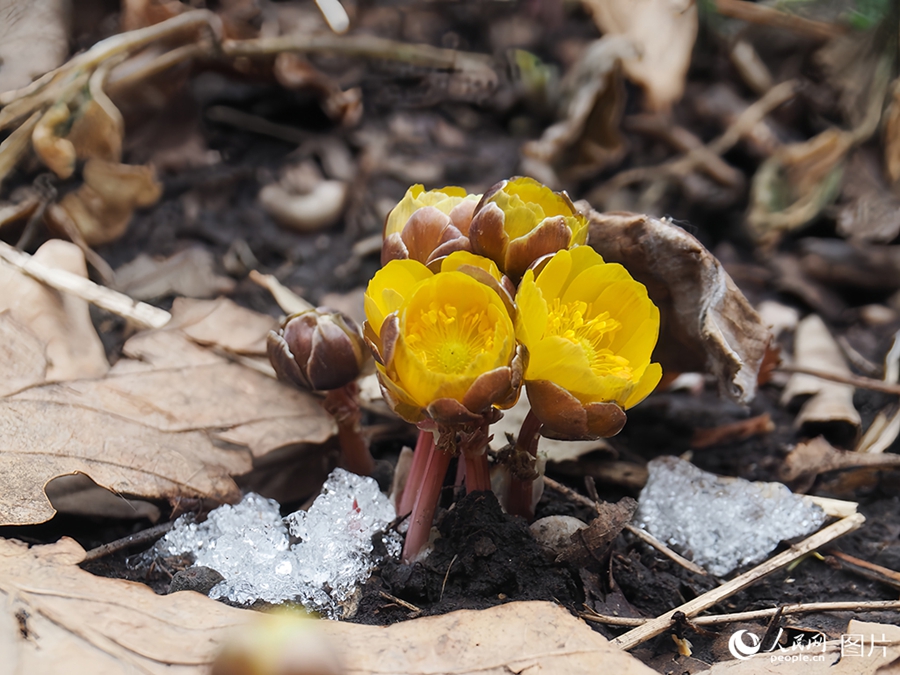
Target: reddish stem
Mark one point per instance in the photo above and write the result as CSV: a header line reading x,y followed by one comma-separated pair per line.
x,y
424,443
343,404
426,502
474,451
521,490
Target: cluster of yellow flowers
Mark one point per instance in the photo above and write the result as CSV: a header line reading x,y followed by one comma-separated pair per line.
x,y
480,294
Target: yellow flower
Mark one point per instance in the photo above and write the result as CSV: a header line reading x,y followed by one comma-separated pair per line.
x,y
521,220
428,226
590,330
445,343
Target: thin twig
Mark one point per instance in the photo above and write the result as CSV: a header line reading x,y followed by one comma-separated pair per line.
x,y
715,619
654,627
147,536
687,163
869,570
142,314
758,13
858,381
649,539
361,46
447,576
403,603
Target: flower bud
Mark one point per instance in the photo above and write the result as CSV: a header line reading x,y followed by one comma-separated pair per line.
x,y
318,349
428,226
520,220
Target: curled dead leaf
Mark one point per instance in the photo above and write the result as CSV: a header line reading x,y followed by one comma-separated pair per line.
x,y
663,31
706,322
830,405
57,153
587,138
103,206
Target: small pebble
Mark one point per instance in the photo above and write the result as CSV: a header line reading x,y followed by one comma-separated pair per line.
x,y
200,579
554,532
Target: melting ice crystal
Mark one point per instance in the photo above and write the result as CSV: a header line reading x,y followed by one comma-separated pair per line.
x,y
720,523
249,545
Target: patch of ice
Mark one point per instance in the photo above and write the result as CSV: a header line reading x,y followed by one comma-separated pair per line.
x,y
720,523
249,545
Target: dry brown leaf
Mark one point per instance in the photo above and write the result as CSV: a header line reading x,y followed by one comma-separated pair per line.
x,y
22,354
61,323
706,322
588,136
830,402
807,460
97,132
57,153
34,39
590,546
836,659
57,618
190,273
152,428
222,323
663,31
103,206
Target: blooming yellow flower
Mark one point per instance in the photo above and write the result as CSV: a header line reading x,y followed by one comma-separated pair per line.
x,y
521,220
445,343
590,330
428,225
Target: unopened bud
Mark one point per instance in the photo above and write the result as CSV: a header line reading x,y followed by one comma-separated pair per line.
x,y
318,349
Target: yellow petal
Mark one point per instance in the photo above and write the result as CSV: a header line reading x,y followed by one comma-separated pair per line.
x,y
459,258
645,386
532,315
389,288
555,275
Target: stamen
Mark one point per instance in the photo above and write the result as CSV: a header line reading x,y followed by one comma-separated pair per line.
x,y
593,335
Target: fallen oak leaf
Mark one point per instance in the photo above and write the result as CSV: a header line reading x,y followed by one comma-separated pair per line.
x,y
57,618
152,428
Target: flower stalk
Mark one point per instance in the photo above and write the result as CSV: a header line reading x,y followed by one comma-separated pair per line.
x,y
343,405
424,444
520,500
436,464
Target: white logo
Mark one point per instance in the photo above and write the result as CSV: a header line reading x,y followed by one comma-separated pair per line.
x,y
740,649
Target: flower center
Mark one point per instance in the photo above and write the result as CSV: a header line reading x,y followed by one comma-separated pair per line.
x,y
448,340
592,335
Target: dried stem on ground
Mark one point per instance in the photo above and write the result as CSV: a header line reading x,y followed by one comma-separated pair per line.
x,y
140,313
858,381
656,626
715,619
